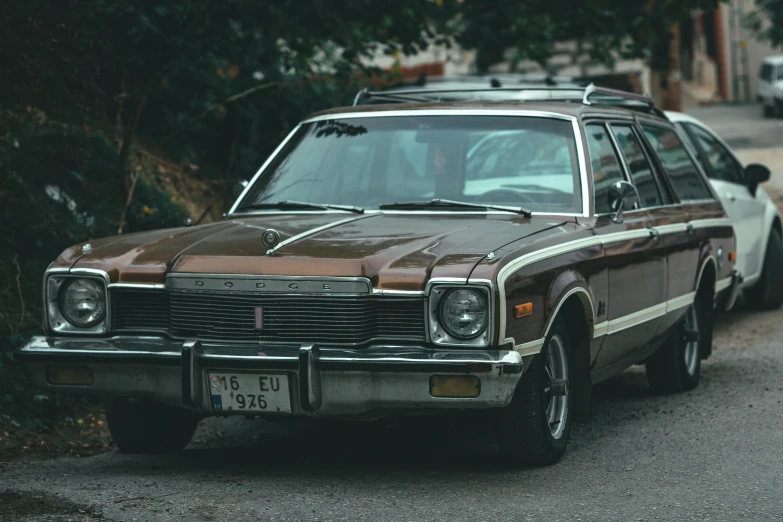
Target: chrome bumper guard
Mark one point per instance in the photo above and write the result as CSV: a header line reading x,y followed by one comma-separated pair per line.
x,y
324,381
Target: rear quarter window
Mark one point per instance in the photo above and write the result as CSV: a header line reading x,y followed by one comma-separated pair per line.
x,y
679,166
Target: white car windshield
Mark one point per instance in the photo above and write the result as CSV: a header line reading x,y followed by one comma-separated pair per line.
x,y
370,162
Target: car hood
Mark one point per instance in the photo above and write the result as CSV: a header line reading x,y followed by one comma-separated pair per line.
x,y
394,250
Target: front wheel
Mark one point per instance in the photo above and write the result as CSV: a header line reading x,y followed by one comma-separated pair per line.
x,y
149,427
676,366
534,428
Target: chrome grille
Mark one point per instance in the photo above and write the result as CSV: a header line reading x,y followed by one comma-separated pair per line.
x,y
340,320
139,309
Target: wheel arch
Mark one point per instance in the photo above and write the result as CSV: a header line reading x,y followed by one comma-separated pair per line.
x,y
575,304
575,307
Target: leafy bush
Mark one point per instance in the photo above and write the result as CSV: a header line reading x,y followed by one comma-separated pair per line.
x,y
59,188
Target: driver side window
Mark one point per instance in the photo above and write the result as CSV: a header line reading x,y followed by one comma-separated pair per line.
x,y
604,164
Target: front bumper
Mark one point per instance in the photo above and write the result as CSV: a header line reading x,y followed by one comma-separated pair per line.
x,y
325,382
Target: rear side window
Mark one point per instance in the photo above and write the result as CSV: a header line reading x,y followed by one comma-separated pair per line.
x,y
722,164
605,165
766,72
638,165
683,173
686,139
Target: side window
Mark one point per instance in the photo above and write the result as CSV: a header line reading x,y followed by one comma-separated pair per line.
x,y
683,173
766,72
780,72
723,166
686,139
605,165
638,165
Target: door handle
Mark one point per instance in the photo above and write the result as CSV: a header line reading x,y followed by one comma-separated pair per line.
x,y
731,197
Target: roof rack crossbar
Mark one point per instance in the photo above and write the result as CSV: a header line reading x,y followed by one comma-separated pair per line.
x,y
429,94
590,95
593,90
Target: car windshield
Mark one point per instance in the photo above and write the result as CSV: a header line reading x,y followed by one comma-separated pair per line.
x,y
369,162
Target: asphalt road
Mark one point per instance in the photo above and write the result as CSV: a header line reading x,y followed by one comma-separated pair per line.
x,y
712,454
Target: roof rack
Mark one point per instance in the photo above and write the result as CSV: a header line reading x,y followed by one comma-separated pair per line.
x,y
590,95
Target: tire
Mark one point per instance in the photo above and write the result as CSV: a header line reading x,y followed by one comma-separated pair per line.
x,y
535,427
149,427
767,293
676,366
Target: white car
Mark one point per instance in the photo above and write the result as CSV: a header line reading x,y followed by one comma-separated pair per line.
x,y
755,217
769,86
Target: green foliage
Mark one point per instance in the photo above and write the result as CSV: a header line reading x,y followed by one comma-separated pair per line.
x,y
767,21
58,188
606,28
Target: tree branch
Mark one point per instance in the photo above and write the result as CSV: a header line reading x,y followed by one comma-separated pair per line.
x,y
19,289
235,97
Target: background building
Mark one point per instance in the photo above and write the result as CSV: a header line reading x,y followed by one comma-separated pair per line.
x,y
719,56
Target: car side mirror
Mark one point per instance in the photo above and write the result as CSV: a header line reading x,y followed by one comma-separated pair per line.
x,y
756,173
239,186
622,196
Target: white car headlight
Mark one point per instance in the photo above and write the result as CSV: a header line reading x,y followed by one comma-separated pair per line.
x,y
464,312
460,315
76,304
83,302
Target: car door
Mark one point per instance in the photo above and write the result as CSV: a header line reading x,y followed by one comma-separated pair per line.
x,y
680,172
635,257
745,210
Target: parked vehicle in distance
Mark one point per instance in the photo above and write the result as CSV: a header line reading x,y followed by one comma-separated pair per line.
x,y
769,86
389,259
756,219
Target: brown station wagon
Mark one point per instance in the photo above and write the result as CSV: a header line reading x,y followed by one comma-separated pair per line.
x,y
413,255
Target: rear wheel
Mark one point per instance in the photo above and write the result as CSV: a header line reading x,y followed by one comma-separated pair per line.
x,y
149,427
534,428
676,366
768,291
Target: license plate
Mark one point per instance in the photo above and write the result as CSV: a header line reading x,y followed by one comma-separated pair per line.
x,y
264,392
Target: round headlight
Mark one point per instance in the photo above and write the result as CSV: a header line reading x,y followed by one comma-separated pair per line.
x,y
464,313
83,302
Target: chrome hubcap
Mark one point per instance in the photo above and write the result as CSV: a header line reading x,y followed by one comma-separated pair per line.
x,y
556,386
691,347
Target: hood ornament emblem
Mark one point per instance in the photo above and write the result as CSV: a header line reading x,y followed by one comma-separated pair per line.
x,y
271,238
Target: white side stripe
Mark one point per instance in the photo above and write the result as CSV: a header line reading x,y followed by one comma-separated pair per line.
x,y
621,323
577,244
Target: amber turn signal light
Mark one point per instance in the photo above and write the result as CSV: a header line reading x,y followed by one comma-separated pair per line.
x,y
523,310
69,375
732,256
455,386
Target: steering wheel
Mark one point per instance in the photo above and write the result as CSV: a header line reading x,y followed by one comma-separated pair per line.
x,y
505,195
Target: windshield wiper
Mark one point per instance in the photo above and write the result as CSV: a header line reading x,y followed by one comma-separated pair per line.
x,y
302,204
450,203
